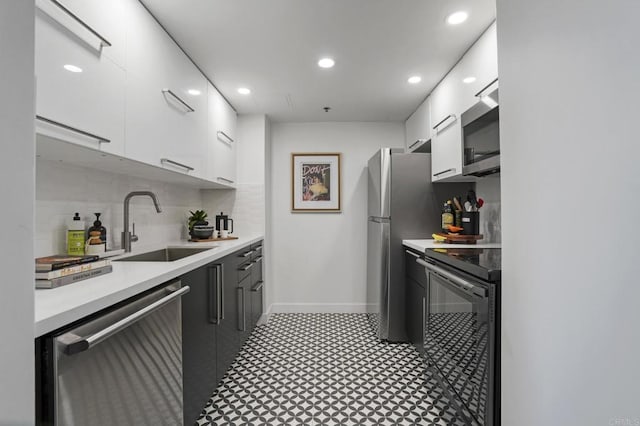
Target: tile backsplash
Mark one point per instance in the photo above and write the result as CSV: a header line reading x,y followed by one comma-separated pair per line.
x,y
488,189
63,189
245,205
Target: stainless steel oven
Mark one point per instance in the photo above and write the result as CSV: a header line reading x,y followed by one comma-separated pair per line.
x,y
461,339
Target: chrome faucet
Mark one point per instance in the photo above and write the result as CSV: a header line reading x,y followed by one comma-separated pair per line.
x,y
130,237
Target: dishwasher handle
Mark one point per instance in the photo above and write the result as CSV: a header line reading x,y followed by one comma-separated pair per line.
x,y
89,342
459,282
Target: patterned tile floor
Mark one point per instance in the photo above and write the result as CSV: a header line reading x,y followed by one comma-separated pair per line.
x,y
326,369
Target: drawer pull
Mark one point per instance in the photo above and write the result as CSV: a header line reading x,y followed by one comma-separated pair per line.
x,y
247,267
177,98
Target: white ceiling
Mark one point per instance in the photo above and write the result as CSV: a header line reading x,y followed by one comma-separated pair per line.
x,y
272,47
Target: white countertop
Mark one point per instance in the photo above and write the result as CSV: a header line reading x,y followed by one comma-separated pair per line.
x,y
422,245
60,306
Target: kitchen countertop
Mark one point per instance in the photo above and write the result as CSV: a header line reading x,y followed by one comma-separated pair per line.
x,y
55,308
422,245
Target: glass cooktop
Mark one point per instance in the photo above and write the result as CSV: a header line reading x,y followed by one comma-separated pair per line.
x,y
483,263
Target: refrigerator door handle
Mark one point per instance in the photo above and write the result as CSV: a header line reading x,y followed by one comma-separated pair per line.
x,y
377,219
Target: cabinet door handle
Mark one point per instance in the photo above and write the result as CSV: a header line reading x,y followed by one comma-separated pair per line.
x,y
242,326
214,293
224,179
445,171
223,137
257,259
417,142
453,116
100,139
175,163
103,41
258,286
221,275
177,98
485,88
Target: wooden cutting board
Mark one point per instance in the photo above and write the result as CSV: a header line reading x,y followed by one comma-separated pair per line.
x,y
208,240
460,239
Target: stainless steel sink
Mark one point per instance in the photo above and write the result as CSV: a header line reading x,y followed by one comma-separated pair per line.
x,y
164,255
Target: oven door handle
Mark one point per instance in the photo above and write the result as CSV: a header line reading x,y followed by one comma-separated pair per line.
x,y
459,282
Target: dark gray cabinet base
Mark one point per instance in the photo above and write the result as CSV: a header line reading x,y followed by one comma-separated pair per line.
x,y
217,318
416,293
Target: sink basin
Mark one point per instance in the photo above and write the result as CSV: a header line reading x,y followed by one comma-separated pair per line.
x,y
164,255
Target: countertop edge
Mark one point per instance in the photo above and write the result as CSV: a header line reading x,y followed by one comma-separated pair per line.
x,y
52,306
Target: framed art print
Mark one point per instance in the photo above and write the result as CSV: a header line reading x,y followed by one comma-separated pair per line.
x,y
315,182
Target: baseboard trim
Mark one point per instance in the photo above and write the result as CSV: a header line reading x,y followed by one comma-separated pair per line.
x,y
323,308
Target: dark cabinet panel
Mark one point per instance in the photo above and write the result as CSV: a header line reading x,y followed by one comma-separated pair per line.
x,y
416,292
199,340
228,335
256,292
415,313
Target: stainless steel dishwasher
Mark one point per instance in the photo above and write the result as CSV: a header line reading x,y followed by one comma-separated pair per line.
x,y
120,368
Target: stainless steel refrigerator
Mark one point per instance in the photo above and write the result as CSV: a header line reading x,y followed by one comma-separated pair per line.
x,y
403,204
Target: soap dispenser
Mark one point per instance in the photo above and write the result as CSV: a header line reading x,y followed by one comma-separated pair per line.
x,y
75,236
98,230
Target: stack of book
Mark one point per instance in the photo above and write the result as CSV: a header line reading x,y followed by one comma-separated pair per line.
x,y
59,270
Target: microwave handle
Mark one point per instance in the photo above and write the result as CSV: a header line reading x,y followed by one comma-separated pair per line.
x,y
459,282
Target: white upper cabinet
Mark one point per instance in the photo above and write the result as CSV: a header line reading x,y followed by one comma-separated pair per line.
x,y
222,142
481,63
418,127
166,99
79,87
454,95
103,24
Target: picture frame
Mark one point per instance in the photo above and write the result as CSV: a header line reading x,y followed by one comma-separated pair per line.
x,y
315,182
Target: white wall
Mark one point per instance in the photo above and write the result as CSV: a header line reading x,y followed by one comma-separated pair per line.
x,y
318,260
17,154
569,90
63,189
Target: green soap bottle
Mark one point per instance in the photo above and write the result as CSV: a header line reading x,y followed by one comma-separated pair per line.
x,y
75,236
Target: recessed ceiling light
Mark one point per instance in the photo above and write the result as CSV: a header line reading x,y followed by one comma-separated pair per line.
x,y
72,68
326,63
415,79
457,17
469,80
194,92
244,91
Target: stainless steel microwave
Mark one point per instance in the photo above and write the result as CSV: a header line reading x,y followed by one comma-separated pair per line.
x,y
481,136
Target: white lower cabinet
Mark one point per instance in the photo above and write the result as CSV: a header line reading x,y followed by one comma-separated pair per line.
x,y
86,106
222,144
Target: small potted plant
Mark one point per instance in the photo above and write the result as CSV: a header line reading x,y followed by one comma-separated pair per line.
x,y
198,225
